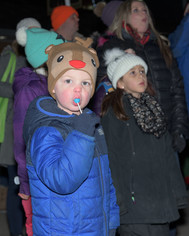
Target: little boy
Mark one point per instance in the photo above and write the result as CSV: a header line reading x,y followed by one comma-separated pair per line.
x,y
70,180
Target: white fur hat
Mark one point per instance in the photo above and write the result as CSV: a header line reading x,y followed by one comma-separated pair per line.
x,y
22,26
28,22
119,62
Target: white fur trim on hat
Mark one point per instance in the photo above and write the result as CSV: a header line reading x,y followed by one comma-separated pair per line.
x,y
28,22
21,36
119,62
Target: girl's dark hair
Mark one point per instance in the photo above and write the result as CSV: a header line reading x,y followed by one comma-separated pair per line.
x,y
115,100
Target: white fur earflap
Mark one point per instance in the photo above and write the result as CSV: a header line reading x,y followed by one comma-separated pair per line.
x,y
111,54
21,36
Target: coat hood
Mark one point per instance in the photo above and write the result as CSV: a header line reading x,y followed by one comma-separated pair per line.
x,y
24,76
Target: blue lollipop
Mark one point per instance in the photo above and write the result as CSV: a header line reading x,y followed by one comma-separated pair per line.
x,y
77,100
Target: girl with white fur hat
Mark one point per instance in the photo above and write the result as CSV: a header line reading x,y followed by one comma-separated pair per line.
x,y
149,186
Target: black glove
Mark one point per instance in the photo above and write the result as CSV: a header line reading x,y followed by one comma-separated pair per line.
x,y
86,123
178,143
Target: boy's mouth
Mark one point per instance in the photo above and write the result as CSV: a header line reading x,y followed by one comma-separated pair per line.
x,y
77,101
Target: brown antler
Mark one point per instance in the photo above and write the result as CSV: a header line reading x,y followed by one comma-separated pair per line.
x,y
86,43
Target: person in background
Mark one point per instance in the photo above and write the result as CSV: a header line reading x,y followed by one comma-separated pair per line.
x,y
29,83
179,43
106,11
67,161
179,40
65,21
11,60
133,29
149,185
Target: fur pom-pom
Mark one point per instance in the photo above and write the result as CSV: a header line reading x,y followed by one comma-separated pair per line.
x,y
21,36
112,54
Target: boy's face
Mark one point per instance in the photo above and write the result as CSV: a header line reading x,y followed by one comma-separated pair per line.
x,y
134,81
73,84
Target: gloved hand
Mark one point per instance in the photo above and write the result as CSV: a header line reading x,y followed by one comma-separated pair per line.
x,y
86,123
178,142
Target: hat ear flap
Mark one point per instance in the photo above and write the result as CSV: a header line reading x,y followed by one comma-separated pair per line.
x,y
47,50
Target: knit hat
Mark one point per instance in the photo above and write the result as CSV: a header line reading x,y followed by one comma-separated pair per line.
x,y
71,56
36,40
119,63
99,8
60,14
28,22
109,11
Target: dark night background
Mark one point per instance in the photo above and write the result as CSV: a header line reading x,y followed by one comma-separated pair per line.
x,y
166,14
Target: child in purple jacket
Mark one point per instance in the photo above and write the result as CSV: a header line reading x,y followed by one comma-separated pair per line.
x,y
28,84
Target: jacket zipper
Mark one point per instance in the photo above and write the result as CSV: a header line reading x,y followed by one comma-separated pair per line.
x,y
102,187
132,174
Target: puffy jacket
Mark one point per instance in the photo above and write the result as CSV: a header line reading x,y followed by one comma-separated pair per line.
x,y
180,47
70,180
148,181
167,83
6,148
27,86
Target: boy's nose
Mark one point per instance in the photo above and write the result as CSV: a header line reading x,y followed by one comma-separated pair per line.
x,y
77,88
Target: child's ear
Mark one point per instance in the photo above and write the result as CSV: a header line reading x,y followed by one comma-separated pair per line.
x,y
120,84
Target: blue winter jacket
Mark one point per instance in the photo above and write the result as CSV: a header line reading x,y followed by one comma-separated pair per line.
x,y
180,47
70,180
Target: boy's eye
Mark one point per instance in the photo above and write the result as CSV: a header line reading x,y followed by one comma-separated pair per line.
x,y
68,81
86,83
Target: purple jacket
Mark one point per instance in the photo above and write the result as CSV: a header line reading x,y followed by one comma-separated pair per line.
x,y
27,86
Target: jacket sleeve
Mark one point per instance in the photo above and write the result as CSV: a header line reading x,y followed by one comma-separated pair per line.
x,y
180,38
176,177
61,165
180,47
22,100
114,209
97,100
180,121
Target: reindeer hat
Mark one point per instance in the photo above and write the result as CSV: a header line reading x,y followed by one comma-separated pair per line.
x,y
71,56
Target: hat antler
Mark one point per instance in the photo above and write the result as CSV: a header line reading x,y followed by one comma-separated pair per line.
x,y
86,43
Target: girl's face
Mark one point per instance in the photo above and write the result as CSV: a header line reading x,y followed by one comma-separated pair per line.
x,y
138,18
134,81
73,84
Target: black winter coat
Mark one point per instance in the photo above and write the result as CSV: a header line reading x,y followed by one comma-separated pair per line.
x,y
167,83
145,172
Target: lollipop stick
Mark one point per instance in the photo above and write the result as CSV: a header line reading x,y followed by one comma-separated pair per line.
x,y
79,108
